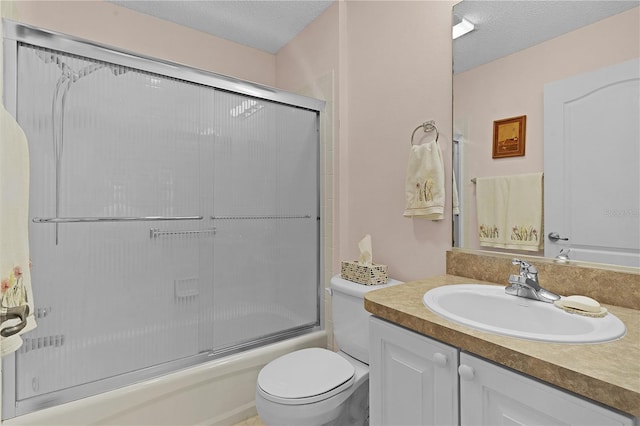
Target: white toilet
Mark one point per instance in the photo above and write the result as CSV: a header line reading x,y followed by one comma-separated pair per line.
x,y
316,386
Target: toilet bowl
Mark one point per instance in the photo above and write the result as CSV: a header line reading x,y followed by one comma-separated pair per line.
x,y
316,386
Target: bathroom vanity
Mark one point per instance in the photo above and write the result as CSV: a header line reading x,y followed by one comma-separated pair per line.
x,y
427,370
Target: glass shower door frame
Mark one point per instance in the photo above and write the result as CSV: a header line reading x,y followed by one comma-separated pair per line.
x,y
15,33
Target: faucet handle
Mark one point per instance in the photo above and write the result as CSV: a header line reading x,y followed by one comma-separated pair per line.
x,y
526,284
525,267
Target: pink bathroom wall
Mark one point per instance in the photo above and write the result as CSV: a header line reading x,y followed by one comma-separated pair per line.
x,y
396,61
392,72
514,85
126,29
312,54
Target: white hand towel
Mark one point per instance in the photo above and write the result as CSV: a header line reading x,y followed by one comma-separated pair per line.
x,y
14,243
492,196
509,210
424,186
524,214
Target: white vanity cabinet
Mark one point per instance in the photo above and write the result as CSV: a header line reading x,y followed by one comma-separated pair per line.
x,y
414,380
494,395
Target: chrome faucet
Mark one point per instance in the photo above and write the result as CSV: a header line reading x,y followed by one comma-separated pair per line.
x,y
526,284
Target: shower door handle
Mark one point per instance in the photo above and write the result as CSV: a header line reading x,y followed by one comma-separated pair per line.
x,y
112,219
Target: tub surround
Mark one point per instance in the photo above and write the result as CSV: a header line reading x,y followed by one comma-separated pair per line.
x,y
607,373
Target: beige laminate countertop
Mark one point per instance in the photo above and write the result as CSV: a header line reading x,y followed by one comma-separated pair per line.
x,y
605,372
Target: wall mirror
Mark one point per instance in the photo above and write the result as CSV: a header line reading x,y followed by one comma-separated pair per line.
x,y
501,69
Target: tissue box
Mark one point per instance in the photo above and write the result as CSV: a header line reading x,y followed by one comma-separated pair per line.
x,y
364,274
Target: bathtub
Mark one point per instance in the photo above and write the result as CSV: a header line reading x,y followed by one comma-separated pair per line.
x,y
220,392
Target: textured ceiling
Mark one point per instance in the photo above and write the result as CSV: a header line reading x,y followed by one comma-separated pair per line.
x,y
266,25
504,27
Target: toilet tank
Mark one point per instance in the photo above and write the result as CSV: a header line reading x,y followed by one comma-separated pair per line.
x,y
350,319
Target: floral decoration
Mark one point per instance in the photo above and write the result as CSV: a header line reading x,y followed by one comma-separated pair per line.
x,y
13,292
488,231
524,233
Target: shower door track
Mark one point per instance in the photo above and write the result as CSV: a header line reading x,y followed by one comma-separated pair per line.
x,y
19,32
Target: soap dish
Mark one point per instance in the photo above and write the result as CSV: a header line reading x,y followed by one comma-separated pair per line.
x,y
581,305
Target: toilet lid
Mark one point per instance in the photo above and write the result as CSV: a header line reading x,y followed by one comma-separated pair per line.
x,y
305,376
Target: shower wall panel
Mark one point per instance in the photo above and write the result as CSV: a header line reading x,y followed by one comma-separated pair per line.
x,y
118,298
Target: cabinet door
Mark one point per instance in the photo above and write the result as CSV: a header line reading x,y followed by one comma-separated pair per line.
x,y
413,379
493,395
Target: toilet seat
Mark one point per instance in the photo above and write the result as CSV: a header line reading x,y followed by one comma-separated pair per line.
x,y
305,376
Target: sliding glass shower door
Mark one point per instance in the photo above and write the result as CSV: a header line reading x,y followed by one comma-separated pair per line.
x,y
170,222
265,212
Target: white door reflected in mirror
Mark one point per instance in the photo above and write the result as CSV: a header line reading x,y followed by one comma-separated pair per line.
x,y
590,120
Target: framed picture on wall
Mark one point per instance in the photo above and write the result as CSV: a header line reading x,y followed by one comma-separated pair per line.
x,y
509,137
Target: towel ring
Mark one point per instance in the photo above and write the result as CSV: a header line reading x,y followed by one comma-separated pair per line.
x,y
427,126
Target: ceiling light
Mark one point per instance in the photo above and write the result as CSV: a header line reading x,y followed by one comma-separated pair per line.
x,y
461,28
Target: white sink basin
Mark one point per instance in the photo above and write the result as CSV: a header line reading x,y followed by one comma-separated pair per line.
x,y
488,308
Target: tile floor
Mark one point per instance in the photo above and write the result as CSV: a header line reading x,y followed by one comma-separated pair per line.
x,y
252,421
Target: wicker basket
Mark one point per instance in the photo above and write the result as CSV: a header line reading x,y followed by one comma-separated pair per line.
x,y
364,274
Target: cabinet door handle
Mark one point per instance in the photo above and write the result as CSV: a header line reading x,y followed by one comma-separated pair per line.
x,y
466,372
440,359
